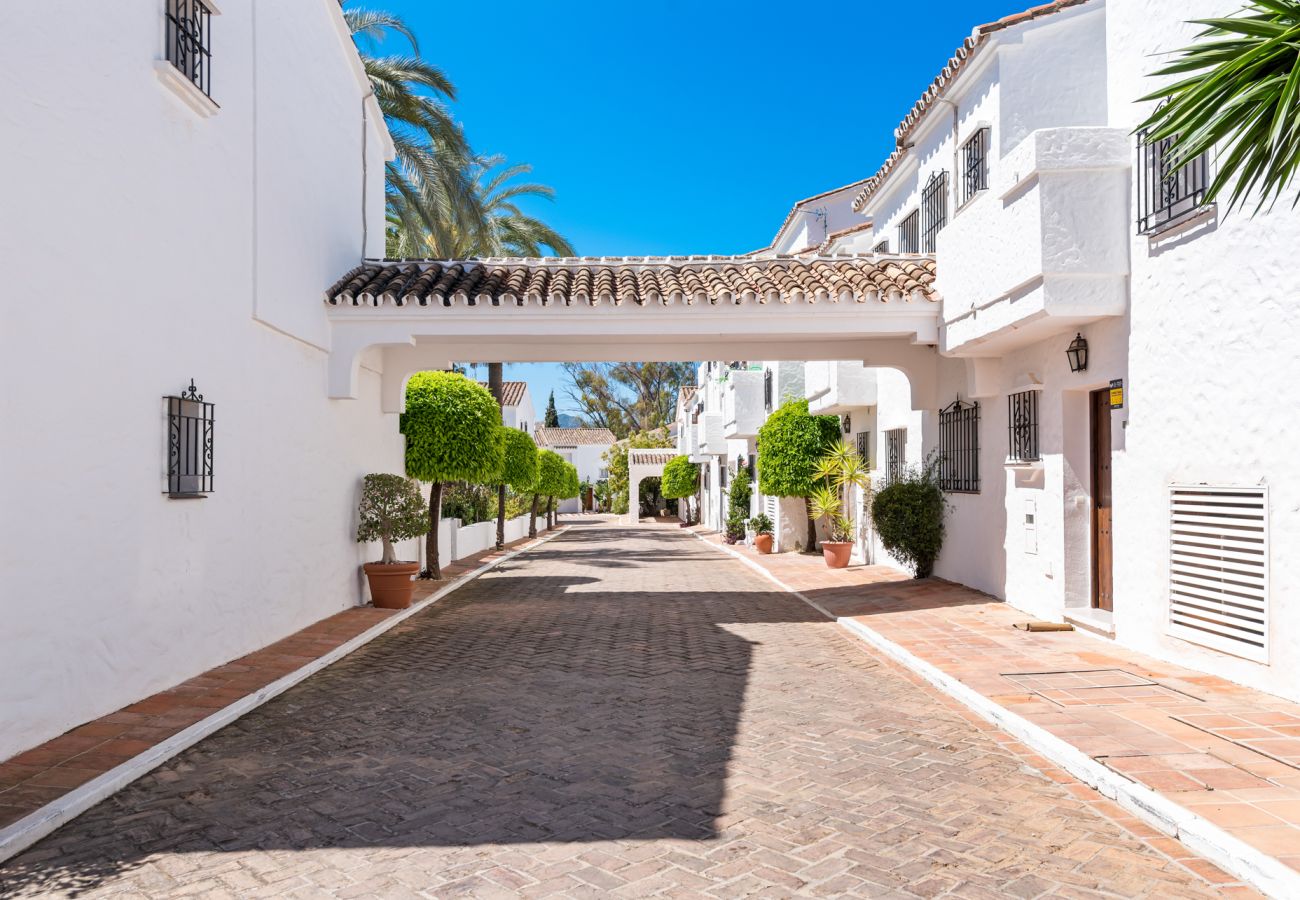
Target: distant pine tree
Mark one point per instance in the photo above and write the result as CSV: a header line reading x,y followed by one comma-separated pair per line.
x,y
552,419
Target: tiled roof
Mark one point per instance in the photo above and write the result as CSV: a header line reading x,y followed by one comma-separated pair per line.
x,y
512,392
633,280
648,458
960,58
572,437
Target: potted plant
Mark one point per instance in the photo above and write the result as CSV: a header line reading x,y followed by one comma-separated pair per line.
x,y
790,443
838,471
762,528
391,510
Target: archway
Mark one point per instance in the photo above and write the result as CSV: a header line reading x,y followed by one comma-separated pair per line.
x,y
642,464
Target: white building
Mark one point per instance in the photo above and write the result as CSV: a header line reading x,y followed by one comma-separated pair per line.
x,y
169,225
585,448
517,406
1147,496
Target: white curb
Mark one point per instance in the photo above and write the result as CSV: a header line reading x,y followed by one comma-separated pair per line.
x,y
1254,867
31,828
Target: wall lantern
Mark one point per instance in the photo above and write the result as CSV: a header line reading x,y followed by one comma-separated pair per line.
x,y
1077,353
848,423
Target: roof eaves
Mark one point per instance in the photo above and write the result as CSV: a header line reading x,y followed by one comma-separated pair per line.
x,y
943,81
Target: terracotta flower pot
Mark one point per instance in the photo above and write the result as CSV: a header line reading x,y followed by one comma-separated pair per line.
x,y
391,585
763,543
837,553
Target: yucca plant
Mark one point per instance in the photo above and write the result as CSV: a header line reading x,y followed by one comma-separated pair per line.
x,y
839,470
1239,91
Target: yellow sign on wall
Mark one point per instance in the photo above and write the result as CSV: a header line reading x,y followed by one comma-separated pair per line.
x,y
1117,394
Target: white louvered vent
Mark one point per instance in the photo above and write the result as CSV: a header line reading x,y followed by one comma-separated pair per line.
x,y
1218,568
771,507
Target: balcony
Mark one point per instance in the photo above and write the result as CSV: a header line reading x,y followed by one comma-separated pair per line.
x,y
713,440
1045,249
834,388
742,404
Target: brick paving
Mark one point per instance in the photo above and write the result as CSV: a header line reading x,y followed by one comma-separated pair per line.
x,y
1224,751
620,712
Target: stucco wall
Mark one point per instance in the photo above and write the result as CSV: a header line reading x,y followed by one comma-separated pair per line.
x,y
168,230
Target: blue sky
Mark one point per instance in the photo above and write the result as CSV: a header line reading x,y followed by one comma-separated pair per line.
x,y
675,127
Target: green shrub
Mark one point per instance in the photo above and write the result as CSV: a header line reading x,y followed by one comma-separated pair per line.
x,y
761,524
519,459
391,509
790,444
738,506
908,515
471,503
450,424
681,478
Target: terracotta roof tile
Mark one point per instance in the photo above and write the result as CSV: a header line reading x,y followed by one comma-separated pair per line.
x,y
512,392
572,437
634,280
960,58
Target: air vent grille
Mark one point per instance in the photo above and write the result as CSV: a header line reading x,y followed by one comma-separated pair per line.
x,y
1218,568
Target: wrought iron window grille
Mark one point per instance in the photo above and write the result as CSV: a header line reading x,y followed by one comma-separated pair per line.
x,y
864,446
975,165
959,448
934,201
1169,190
190,426
1022,427
189,41
909,233
882,247
896,446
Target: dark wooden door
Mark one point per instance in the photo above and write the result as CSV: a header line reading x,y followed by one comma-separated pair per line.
x,y
1102,551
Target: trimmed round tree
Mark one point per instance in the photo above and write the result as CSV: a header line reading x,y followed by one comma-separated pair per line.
x,y
790,444
572,486
451,426
518,467
681,480
551,481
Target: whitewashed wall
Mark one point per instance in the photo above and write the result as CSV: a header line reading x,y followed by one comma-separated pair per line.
x,y
167,234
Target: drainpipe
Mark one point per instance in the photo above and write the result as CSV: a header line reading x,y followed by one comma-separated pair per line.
x,y
953,183
365,172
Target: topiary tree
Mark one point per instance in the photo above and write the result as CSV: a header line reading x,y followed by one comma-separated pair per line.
x,y
391,510
572,486
451,425
738,506
551,481
518,471
908,514
790,444
681,480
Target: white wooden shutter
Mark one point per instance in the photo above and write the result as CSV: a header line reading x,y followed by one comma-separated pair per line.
x,y
1218,568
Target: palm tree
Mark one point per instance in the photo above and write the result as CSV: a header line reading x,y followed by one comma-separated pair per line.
x,y
497,227
1240,91
430,184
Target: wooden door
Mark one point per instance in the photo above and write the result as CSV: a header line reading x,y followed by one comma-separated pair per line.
x,y
1102,550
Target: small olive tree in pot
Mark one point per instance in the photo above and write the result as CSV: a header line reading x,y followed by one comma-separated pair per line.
x,y
761,525
391,510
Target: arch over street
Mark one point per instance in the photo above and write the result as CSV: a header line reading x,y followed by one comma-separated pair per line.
x,y
642,464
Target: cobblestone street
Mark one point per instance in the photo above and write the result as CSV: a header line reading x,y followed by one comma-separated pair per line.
x,y
618,712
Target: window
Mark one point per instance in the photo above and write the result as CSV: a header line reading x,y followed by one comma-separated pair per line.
x,y
975,165
909,233
896,443
934,200
722,475
767,390
959,448
189,41
1022,426
864,447
189,444
882,247
1167,192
